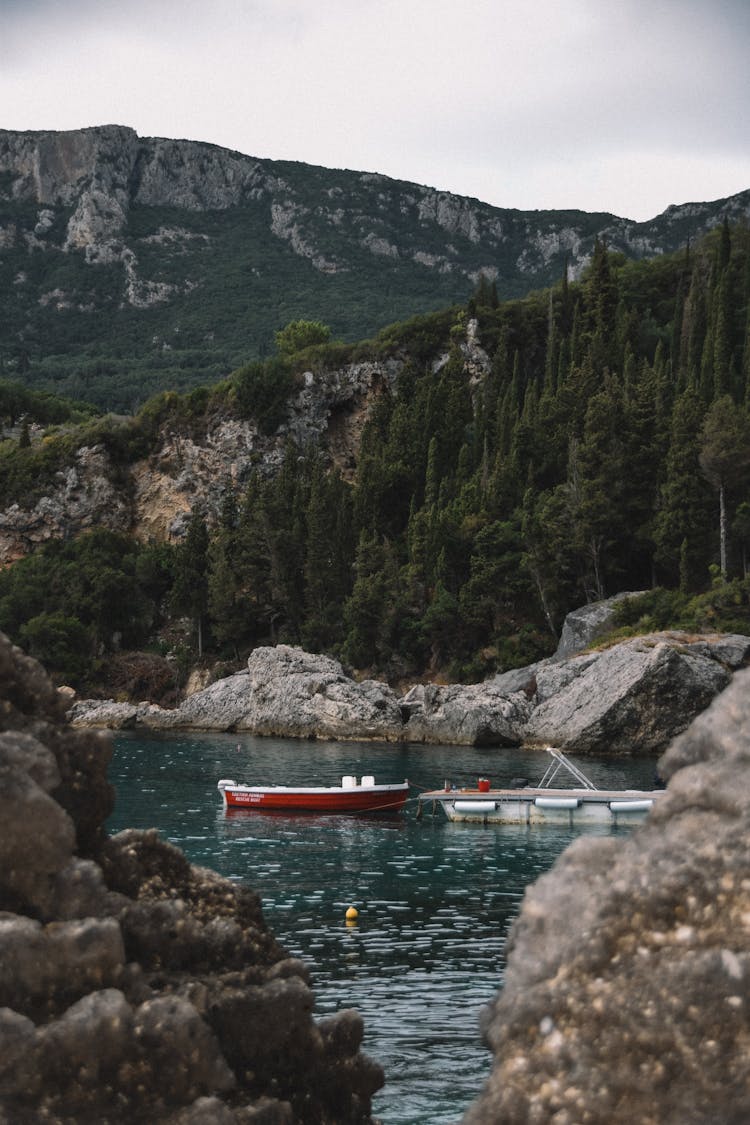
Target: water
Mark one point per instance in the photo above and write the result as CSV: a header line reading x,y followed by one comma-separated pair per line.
x,y
435,899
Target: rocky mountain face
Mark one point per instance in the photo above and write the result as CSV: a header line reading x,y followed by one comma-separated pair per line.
x,y
152,498
184,247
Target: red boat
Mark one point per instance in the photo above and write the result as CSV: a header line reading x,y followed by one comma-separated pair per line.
x,y
350,796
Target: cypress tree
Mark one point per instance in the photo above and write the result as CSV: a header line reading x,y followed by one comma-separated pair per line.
x,y
684,501
190,590
725,458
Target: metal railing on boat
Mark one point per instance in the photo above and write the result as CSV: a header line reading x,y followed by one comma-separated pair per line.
x,y
561,762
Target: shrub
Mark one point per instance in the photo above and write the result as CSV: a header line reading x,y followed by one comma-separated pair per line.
x,y
263,390
61,643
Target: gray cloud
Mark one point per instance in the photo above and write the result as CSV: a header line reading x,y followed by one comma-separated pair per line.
x,y
624,106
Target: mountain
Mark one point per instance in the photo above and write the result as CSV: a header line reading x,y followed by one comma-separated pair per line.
x,y
131,264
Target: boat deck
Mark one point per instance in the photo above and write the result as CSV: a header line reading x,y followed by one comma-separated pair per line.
x,y
539,804
530,792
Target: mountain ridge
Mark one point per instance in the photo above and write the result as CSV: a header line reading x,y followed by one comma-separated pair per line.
x,y
129,264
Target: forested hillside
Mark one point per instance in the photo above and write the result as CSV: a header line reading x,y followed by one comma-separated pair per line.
x,y
602,445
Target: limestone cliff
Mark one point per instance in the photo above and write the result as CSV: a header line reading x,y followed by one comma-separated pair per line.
x,y
99,173
153,497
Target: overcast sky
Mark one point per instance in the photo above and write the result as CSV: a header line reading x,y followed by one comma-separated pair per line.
x,y
604,105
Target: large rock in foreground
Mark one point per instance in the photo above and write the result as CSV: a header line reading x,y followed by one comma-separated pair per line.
x,y
627,990
133,986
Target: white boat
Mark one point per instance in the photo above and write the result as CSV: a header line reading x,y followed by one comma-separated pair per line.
x,y
543,803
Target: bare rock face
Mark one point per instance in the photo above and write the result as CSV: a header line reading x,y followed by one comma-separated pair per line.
x,y
628,982
584,625
289,693
133,986
633,697
477,715
82,498
153,497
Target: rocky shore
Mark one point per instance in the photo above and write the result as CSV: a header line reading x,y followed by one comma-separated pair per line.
x,y
134,986
632,697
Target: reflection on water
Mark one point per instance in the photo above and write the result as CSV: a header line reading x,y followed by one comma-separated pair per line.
x,y
435,899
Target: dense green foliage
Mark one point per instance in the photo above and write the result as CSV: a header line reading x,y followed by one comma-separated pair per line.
x,y
17,401
301,334
606,448
70,604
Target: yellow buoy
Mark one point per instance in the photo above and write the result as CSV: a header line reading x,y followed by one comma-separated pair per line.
x,y
352,913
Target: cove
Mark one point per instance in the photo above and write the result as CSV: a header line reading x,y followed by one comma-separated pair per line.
x,y
435,899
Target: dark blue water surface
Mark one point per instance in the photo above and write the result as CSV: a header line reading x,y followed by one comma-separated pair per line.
x,y
435,899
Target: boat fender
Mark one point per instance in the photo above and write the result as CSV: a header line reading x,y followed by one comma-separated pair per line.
x,y
368,779
226,783
482,807
348,782
556,802
631,806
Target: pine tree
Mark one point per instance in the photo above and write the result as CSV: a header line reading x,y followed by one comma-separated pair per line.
x,y
190,589
683,514
597,481
725,458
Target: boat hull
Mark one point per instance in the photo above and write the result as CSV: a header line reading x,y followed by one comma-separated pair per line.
x,y
545,806
335,799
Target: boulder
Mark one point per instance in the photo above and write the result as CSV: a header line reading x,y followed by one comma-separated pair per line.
x,y
134,986
631,698
288,693
103,713
475,715
626,988
584,625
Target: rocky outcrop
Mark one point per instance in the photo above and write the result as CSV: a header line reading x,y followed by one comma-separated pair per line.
x,y
634,696
153,497
631,698
626,988
291,694
477,715
582,626
134,987
83,497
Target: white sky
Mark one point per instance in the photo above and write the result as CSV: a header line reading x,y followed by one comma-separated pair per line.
x,y
604,105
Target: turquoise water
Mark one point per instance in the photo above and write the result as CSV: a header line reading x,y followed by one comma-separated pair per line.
x,y
435,899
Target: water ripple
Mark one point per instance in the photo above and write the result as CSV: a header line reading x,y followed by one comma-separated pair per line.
x,y
435,900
